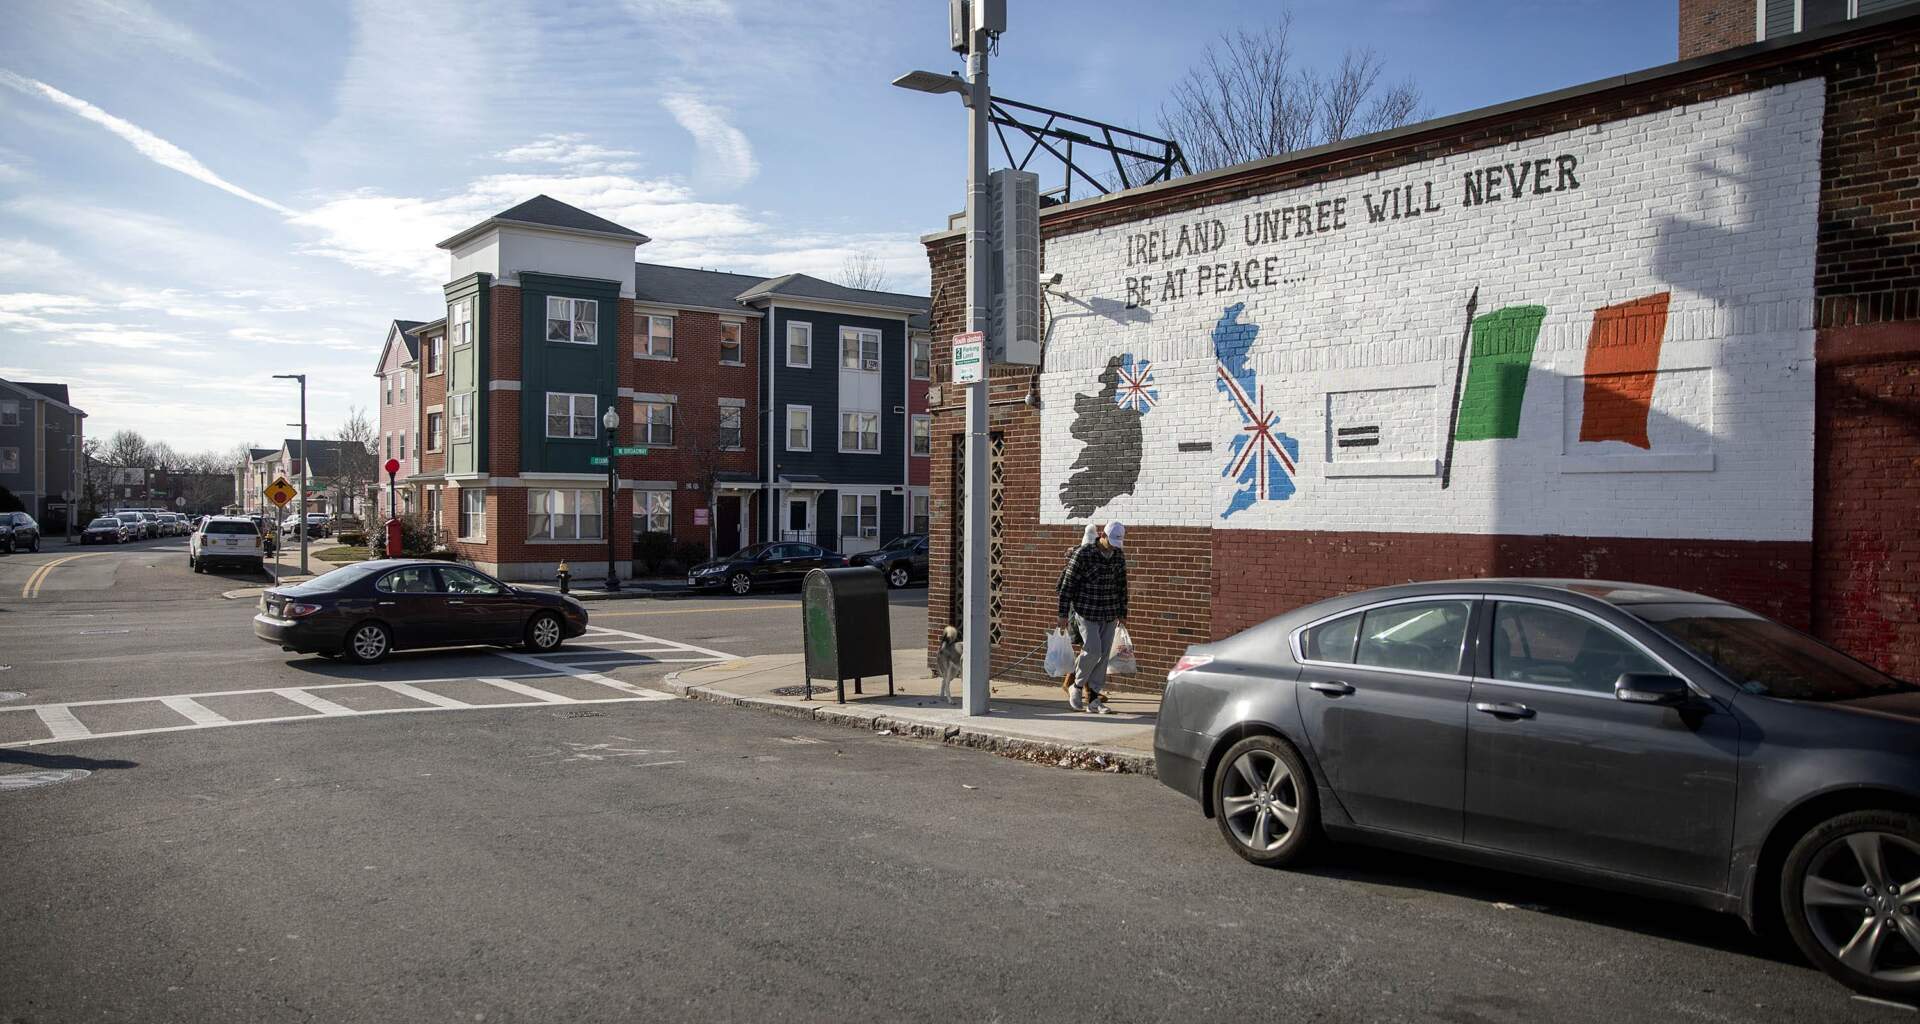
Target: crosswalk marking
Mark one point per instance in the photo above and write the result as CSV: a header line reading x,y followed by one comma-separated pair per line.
x,y
527,691
60,722
320,704
194,711
425,696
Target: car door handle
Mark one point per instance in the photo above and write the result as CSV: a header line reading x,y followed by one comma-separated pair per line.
x,y
385,604
1503,709
456,602
1333,688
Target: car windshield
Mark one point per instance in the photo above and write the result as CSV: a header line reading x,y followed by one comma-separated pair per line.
x,y
130,517
1762,656
104,522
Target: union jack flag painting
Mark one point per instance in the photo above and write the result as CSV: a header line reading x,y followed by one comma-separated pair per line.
x,y
1136,390
1261,459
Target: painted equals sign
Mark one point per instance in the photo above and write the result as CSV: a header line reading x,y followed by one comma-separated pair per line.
x,y
1357,437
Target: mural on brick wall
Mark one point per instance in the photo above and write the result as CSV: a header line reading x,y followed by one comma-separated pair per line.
x,y
1606,331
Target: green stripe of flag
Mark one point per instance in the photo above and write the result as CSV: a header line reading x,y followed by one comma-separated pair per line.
x,y
1502,352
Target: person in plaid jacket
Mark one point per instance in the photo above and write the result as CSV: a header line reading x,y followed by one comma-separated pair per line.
x,y
1093,589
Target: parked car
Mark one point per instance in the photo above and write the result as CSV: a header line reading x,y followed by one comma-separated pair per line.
x,y
315,523
137,526
152,519
763,565
319,524
105,530
367,610
903,559
169,524
1635,737
18,530
232,540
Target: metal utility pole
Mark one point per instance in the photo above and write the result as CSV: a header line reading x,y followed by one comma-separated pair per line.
x,y
304,467
974,626
611,420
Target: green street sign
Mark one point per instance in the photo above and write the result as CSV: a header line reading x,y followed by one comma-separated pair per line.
x,y
628,450
597,460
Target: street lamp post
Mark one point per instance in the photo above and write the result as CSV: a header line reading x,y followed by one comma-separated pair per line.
x,y
611,420
973,617
304,462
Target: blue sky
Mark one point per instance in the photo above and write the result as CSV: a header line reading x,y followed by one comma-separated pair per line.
x,y
197,194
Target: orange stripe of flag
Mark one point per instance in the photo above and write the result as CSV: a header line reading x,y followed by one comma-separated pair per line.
x,y
1623,355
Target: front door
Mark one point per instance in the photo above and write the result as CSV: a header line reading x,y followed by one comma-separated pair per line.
x,y
479,609
728,536
1384,702
1558,768
798,520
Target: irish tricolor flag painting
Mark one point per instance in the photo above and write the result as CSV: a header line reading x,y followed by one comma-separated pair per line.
x,y
1497,373
1623,354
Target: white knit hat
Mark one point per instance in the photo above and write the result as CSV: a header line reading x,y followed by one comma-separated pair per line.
x,y
1090,534
1116,533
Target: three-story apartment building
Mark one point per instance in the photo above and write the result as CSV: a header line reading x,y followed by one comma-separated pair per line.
x,y
41,437
399,436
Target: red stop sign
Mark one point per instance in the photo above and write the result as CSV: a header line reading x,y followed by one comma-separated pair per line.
x,y
392,466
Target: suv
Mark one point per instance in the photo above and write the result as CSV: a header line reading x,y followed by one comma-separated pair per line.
x,y
18,530
903,559
226,539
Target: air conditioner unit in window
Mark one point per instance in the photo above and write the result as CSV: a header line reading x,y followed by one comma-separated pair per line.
x,y
870,364
899,410
871,531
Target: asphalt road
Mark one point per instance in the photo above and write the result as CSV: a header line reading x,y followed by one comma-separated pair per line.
x,y
646,859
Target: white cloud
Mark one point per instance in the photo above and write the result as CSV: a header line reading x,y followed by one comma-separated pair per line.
x,y
725,157
129,27
147,144
572,152
721,10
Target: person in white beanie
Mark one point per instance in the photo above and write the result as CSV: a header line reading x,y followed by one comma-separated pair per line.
x,y
1093,590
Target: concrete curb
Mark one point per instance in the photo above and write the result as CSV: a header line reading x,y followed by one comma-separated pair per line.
x,y
873,719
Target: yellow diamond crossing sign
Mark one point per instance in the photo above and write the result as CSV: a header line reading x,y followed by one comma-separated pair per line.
x,y
280,491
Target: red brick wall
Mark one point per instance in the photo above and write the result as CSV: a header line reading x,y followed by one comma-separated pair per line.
x,y
1709,26
1857,584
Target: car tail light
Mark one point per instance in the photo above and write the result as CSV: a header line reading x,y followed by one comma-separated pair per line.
x,y
300,610
1189,662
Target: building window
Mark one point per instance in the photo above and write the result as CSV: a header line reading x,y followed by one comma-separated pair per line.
x,y
859,349
435,422
9,413
403,444
654,509
389,383
730,344
434,345
403,387
573,321
389,449
859,431
800,345
859,515
923,435
732,418
653,421
572,415
799,428
473,514
433,510
1817,13
9,460
563,515
461,413
460,322
656,338
922,355
922,512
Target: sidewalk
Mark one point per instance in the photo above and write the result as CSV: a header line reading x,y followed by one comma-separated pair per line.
x,y
1028,721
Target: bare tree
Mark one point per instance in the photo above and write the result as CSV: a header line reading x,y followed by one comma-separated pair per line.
x,y
128,448
864,270
1249,98
354,471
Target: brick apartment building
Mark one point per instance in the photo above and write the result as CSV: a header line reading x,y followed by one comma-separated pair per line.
x,y
399,436
1692,299
550,322
1709,26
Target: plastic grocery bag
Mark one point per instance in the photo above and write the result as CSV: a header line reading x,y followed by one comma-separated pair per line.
x,y
1059,653
1120,662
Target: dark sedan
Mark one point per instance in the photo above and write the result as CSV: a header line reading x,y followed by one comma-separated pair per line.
x,y
763,565
17,531
104,530
1635,737
367,610
903,559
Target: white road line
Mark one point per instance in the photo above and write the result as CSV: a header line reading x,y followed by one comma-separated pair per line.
x,y
554,668
426,696
527,691
605,662
320,704
194,711
61,723
243,693
672,643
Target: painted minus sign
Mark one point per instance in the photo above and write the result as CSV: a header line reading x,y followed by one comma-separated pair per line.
x,y
1196,446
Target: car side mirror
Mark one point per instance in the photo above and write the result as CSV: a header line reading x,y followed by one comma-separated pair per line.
x,y
1652,688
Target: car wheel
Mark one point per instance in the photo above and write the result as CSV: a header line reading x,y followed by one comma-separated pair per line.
x,y
369,642
740,583
544,633
1851,893
36,546
9,545
1264,802
898,577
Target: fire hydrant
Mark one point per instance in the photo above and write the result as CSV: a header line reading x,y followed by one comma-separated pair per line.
x,y
565,576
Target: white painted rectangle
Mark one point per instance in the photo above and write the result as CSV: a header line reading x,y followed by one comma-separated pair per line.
x,y
60,722
194,711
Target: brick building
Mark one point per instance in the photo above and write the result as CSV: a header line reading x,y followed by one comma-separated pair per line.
x,y
1709,26
550,323
1658,328
399,435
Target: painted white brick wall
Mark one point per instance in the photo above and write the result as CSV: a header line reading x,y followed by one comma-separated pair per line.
x,y
1715,204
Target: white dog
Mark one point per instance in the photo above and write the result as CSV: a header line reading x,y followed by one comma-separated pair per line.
x,y
947,662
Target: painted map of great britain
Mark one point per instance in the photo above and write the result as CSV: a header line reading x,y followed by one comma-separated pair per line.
x,y
1261,458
